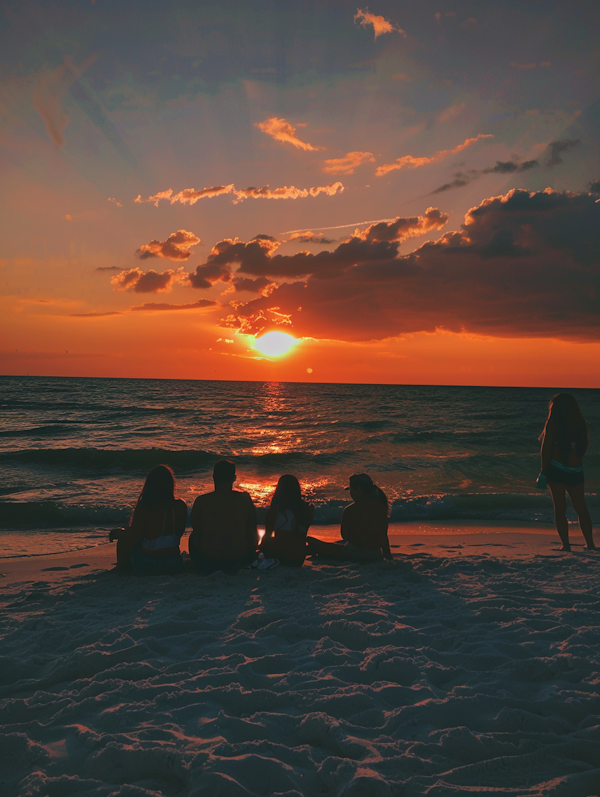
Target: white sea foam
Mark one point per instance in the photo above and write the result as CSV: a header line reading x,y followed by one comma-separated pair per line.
x,y
429,675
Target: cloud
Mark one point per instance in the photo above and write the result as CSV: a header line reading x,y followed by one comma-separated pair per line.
x,y
93,315
410,162
50,89
252,285
282,130
380,24
189,196
153,307
557,148
524,264
595,187
451,113
517,65
206,276
115,201
502,167
108,268
288,192
378,242
134,279
174,248
402,228
348,163
308,236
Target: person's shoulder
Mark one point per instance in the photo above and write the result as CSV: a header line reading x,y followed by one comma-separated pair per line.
x,y
180,505
243,496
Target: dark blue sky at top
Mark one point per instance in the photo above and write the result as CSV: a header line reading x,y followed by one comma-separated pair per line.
x,y
185,48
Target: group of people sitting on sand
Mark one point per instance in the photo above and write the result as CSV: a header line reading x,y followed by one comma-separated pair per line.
x,y
225,533
224,528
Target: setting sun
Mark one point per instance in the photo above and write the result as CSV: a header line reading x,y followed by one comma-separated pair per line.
x,y
274,344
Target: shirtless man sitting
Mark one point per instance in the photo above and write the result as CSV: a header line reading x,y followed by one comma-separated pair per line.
x,y
224,534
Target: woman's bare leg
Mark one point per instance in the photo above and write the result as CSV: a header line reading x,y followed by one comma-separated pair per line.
x,y
577,496
560,513
331,549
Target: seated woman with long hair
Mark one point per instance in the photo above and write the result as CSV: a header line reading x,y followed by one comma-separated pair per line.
x,y
564,443
150,544
287,523
364,528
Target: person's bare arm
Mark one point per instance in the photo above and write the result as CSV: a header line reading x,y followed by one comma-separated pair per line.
x,y
251,527
547,446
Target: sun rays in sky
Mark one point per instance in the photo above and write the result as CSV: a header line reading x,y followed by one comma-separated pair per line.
x,y
150,158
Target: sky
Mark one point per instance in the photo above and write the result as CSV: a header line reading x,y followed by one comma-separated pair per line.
x,y
411,190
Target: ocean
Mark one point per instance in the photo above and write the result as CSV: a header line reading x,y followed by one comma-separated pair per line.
x,y
74,452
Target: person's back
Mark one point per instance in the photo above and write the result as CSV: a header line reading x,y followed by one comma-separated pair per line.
x,y
224,532
223,524
287,523
365,524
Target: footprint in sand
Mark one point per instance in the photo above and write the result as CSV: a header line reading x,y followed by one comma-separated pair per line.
x,y
46,569
72,567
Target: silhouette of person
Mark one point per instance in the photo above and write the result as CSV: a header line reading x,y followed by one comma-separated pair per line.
x,y
287,523
224,534
364,526
150,544
564,442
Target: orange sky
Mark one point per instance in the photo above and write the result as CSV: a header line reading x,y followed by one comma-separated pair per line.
x,y
423,187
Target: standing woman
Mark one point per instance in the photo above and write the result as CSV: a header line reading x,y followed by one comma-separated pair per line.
x,y
564,443
287,523
150,544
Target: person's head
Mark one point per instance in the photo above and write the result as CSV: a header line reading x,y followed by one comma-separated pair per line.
x,y
223,473
159,487
568,423
288,493
361,486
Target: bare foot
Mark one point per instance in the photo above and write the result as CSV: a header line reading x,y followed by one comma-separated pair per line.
x,y
566,548
591,547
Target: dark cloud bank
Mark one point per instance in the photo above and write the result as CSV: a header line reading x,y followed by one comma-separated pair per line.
x,y
524,264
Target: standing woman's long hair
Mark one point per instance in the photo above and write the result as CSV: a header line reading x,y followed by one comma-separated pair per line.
x,y
567,425
159,487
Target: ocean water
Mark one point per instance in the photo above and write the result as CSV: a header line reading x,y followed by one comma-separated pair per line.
x,y
74,452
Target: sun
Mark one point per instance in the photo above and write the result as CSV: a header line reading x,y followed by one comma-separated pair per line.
x,y
275,344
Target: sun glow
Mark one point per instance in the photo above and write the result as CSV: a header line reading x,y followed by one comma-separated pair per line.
x,y
275,344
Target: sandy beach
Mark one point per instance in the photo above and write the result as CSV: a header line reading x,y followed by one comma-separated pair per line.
x,y
468,665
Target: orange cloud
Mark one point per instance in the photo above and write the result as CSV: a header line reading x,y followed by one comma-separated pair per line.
x,y
50,89
308,236
282,130
115,201
402,228
174,248
409,162
134,279
189,196
348,163
380,24
288,192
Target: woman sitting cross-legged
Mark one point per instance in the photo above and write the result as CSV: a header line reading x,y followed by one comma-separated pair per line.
x,y
150,544
364,526
287,523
